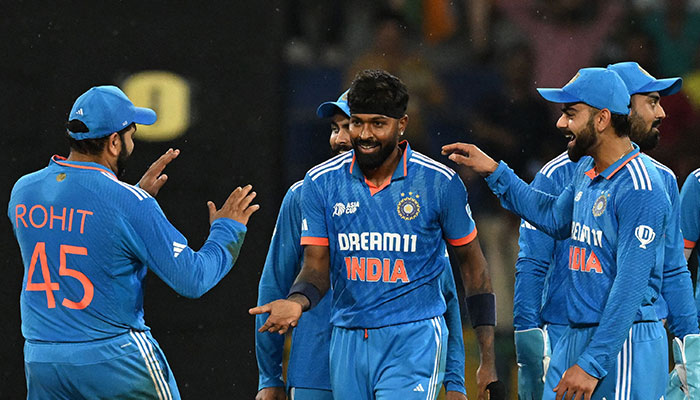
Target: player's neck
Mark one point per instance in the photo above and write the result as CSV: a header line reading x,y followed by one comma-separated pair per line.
x,y
610,150
101,159
383,172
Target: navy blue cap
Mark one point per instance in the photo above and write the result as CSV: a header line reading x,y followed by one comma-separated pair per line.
x,y
597,87
329,108
105,110
638,80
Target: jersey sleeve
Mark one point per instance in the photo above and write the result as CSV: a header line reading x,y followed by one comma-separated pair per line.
x,y
160,246
690,211
551,214
455,215
281,267
642,217
677,287
313,224
535,255
454,370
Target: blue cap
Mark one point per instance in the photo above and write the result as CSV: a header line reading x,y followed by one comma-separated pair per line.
x,y
597,87
638,80
329,108
105,110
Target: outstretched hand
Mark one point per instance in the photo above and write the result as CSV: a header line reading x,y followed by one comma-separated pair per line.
x,y
470,156
283,315
237,207
154,179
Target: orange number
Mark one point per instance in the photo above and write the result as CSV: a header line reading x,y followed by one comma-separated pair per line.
x,y
89,289
49,287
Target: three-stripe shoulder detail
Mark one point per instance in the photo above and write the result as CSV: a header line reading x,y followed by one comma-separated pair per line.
x,y
696,173
640,175
333,164
556,162
662,167
296,185
428,162
136,191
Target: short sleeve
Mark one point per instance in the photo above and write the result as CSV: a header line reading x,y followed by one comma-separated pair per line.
x,y
455,216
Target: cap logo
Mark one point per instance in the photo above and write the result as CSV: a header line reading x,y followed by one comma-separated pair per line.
x,y
125,123
644,71
79,112
573,79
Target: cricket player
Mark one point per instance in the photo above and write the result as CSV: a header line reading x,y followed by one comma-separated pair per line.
x,y
87,240
374,221
542,278
307,374
616,212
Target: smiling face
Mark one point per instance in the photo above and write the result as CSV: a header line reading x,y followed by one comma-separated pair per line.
x,y
645,118
576,123
374,137
340,134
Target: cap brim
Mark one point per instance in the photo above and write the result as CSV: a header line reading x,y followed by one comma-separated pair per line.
x,y
665,87
330,108
557,96
144,116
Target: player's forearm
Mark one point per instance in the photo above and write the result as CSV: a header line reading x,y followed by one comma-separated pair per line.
x,y
548,213
485,338
313,281
677,290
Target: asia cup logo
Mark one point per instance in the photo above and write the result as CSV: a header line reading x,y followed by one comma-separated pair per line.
x,y
338,209
645,235
408,207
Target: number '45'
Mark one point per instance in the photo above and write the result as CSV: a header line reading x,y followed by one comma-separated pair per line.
x,y
49,287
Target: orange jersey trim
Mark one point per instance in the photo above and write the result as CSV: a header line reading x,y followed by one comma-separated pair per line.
x,y
688,244
57,159
621,165
352,164
465,240
375,189
591,173
314,241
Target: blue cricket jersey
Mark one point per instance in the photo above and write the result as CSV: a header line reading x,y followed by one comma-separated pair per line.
x,y
87,240
616,221
308,359
542,283
690,217
386,243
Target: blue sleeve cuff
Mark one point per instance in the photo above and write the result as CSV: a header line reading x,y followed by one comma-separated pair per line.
x,y
230,224
496,181
591,366
265,382
455,387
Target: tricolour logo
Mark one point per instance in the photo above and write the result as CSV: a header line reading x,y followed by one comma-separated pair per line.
x,y
408,207
645,235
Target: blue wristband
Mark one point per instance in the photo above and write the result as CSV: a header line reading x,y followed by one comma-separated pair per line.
x,y
482,309
307,290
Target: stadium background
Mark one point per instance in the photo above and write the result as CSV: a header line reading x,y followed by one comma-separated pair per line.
x,y
236,85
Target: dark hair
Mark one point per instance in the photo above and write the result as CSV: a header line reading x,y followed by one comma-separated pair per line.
x,y
88,146
375,91
621,124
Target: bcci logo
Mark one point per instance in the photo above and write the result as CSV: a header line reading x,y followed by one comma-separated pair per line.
x,y
599,206
408,208
645,235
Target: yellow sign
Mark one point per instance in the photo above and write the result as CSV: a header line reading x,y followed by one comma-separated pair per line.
x,y
166,93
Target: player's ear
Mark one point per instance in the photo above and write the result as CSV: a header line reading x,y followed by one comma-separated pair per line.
x,y
114,144
403,123
602,120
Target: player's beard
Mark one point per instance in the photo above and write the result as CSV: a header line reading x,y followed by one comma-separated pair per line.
x,y
646,139
369,162
340,148
584,140
121,160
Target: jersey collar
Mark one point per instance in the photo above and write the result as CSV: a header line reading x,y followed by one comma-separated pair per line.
x,y
616,166
399,173
56,159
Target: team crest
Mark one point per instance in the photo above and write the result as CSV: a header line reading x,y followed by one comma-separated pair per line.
x,y
599,205
408,207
